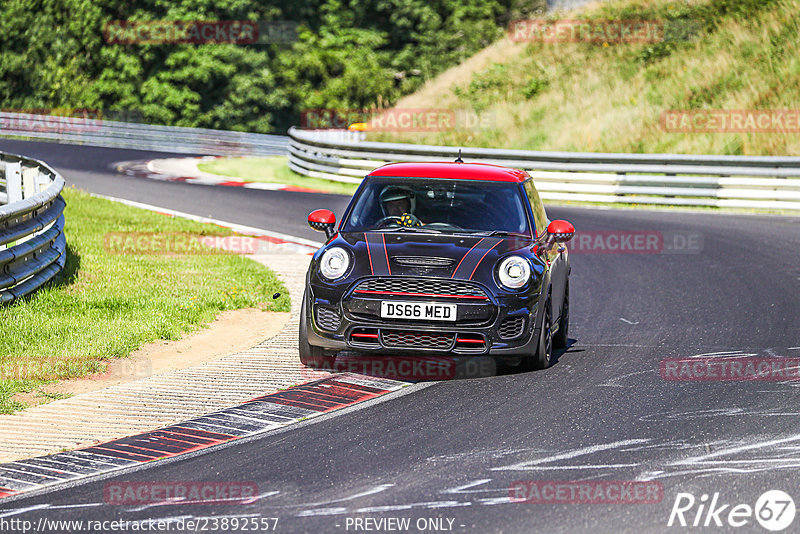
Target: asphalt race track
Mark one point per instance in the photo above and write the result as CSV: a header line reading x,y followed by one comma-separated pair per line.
x,y
453,449
91,169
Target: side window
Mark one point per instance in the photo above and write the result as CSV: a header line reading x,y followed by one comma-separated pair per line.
x,y
539,215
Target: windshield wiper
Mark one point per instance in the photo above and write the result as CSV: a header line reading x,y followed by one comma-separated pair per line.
x,y
503,233
417,229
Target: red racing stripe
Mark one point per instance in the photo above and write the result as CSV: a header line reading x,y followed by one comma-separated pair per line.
x,y
470,262
480,260
464,256
371,270
379,262
386,253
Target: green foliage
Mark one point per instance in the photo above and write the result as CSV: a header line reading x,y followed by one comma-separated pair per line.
x,y
534,87
348,54
485,87
611,96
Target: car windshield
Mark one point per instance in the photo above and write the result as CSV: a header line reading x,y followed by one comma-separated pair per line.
x,y
438,205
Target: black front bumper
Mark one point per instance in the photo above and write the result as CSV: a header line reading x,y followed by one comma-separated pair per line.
x,y
353,322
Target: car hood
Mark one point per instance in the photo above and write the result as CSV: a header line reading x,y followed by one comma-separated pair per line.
x,y
417,254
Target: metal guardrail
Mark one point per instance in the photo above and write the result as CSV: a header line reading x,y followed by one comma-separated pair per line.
x,y
765,182
130,135
32,243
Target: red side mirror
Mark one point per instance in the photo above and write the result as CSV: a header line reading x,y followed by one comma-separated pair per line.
x,y
562,231
322,221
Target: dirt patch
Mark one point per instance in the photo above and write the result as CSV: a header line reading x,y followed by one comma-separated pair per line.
x,y
233,331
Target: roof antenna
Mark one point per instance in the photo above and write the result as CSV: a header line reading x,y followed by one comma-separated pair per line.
x,y
458,159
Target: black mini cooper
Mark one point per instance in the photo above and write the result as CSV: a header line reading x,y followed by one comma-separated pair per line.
x,y
453,259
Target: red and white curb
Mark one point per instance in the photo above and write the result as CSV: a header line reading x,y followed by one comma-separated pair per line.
x,y
188,173
256,416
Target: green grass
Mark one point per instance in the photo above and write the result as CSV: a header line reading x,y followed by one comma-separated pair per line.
x,y
607,97
272,169
105,306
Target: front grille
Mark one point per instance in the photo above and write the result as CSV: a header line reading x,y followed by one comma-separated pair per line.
x,y
328,318
421,287
419,340
423,261
511,327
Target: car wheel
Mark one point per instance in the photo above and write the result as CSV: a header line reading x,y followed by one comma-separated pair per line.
x,y
560,339
541,360
310,355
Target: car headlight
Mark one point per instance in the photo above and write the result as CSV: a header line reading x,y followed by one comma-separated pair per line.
x,y
334,263
514,272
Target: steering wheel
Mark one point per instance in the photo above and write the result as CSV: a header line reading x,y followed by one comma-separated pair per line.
x,y
386,220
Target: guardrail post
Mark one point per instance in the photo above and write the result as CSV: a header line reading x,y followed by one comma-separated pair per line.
x,y
29,185
13,182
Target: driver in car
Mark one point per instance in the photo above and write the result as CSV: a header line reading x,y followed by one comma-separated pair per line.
x,y
398,205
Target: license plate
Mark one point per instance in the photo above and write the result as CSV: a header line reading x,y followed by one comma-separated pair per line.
x,y
423,311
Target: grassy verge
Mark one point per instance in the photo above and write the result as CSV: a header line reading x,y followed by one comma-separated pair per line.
x,y
607,97
272,169
107,305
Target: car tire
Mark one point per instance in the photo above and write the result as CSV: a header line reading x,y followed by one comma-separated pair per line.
x,y
311,355
560,339
544,349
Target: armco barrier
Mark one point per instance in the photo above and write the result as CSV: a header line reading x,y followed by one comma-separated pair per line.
x,y
32,242
764,182
131,135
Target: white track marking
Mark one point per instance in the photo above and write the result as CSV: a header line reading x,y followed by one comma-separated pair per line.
x,y
323,511
720,353
734,450
578,467
465,487
612,383
377,489
17,511
495,500
400,507
521,466
184,501
627,321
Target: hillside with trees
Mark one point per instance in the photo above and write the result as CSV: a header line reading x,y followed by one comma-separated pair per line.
x,y
54,55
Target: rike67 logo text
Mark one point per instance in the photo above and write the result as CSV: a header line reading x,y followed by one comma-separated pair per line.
x,y
774,510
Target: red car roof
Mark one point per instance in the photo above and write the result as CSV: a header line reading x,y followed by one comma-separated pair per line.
x,y
459,171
